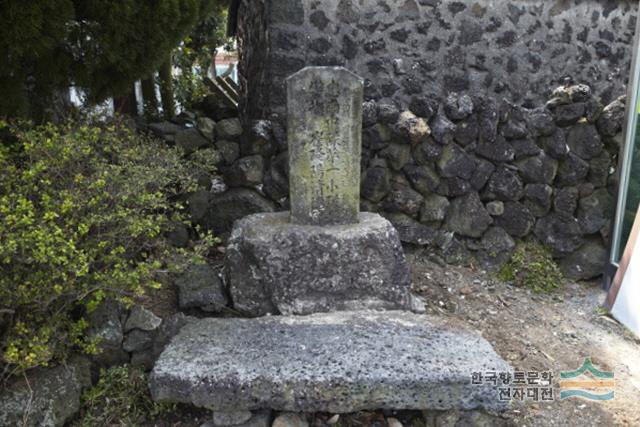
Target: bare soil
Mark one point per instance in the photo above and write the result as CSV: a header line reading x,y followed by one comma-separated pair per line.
x,y
540,332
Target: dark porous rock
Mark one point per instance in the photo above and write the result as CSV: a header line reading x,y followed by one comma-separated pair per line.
x,y
555,145
105,324
376,183
595,211
442,129
276,179
207,127
247,364
568,114
231,418
178,235
495,208
599,170
388,113
376,137
410,230
525,147
369,113
584,141
397,155
229,129
143,319
245,172
164,129
226,208
577,93
487,118
423,106
497,248
484,170
434,209
565,202
275,266
563,236
403,199
45,397
466,131
458,106
259,139
411,128
593,110
167,330
191,140
229,151
588,262
572,170
499,150
467,216
537,197
517,219
137,341
427,152
586,189
540,169
505,184
455,162
454,187
200,287
198,203
540,122
611,120
422,178
513,129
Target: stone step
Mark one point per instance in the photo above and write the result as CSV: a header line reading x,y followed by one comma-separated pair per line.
x,y
332,362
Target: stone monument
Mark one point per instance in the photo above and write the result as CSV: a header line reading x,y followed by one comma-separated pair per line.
x,y
324,255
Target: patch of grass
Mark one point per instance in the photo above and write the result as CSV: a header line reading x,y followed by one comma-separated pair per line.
x,y
533,267
121,397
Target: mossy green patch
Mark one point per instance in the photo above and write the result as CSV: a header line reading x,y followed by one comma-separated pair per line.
x,y
533,267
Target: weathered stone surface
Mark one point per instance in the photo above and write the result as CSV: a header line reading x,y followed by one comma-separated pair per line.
x,y
200,287
455,162
434,208
537,197
458,106
499,150
230,418
411,128
442,129
191,140
229,151
397,155
495,208
207,127
410,230
377,360
572,170
229,129
587,262
224,209
376,182
584,141
274,266
143,319
516,219
611,120
506,184
525,147
245,172
376,137
106,324
290,420
497,247
422,177
467,131
562,235
259,139
565,202
137,340
599,170
555,144
595,211
403,199
325,139
540,169
49,399
467,216
427,152
484,170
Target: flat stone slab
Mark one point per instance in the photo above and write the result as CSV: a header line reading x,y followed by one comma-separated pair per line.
x,y
276,267
332,362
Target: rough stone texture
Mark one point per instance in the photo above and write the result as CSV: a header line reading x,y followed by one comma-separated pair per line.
x,y
55,399
336,362
191,140
409,50
587,262
274,266
290,420
467,216
220,211
325,133
106,324
143,319
200,287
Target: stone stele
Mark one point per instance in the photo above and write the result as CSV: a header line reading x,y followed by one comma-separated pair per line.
x,y
324,123
330,362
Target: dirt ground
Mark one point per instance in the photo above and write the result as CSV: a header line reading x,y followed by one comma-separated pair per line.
x,y
540,332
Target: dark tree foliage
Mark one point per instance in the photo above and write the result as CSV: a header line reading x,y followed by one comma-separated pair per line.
x,y
101,46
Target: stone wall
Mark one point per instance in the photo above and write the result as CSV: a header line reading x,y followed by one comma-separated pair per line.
x,y
518,50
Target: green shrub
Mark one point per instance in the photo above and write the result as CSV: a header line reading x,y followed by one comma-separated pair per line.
x,y
121,397
83,209
533,267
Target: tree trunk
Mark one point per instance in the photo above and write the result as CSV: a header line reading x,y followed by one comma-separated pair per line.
x,y
150,101
166,89
127,104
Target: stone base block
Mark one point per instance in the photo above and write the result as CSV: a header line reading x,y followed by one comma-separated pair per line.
x,y
338,362
274,266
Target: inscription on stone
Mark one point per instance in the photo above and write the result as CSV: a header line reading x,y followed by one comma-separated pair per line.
x,y
324,135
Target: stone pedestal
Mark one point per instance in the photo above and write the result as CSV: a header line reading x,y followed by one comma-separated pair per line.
x,y
274,266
